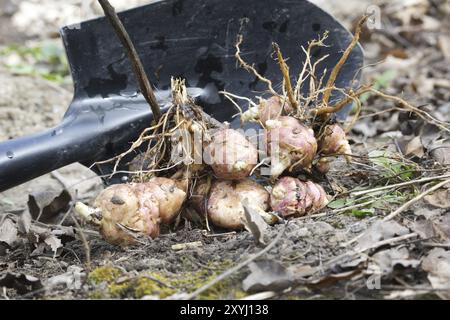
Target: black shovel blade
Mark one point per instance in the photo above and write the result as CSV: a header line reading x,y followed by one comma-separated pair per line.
x,y
192,39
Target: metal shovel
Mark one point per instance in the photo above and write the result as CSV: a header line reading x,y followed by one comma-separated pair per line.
x,y
193,39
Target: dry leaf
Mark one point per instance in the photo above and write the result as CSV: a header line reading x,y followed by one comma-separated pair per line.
x,y
437,264
53,242
424,228
444,45
24,223
8,232
385,261
415,148
267,275
254,222
439,199
409,11
381,230
47,205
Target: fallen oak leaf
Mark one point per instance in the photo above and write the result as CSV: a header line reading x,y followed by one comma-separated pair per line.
x,y
415,148
380,230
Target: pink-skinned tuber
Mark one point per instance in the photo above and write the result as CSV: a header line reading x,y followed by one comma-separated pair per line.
x,y
125,211
231,155
224,204
289,143
270,109
332,142
293,197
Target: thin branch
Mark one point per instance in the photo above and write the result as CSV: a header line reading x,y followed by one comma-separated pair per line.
x,y
422,114
139,70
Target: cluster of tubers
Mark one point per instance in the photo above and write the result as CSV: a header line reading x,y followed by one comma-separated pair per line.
x,y
125,212
299,135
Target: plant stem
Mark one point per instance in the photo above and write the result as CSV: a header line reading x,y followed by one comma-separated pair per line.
x,y
138,68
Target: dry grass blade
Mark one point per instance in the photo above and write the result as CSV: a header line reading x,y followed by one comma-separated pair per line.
x,y
414,200
398,185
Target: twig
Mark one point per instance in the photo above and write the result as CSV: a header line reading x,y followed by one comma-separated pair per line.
x,y
422,114
87,248
414,200
139,70
236,268
345,55
373,246
402,184
436,245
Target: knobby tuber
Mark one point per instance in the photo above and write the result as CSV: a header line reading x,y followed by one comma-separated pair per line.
x,y
291,196
231,155
332,142
124,212
290,144
269,109
224,204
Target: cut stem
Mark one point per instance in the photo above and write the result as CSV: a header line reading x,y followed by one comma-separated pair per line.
x,y
139,70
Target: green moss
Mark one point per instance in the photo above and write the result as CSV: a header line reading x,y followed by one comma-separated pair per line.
x,y
191,281
96,295
164,285
104,274
145,286
119,290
